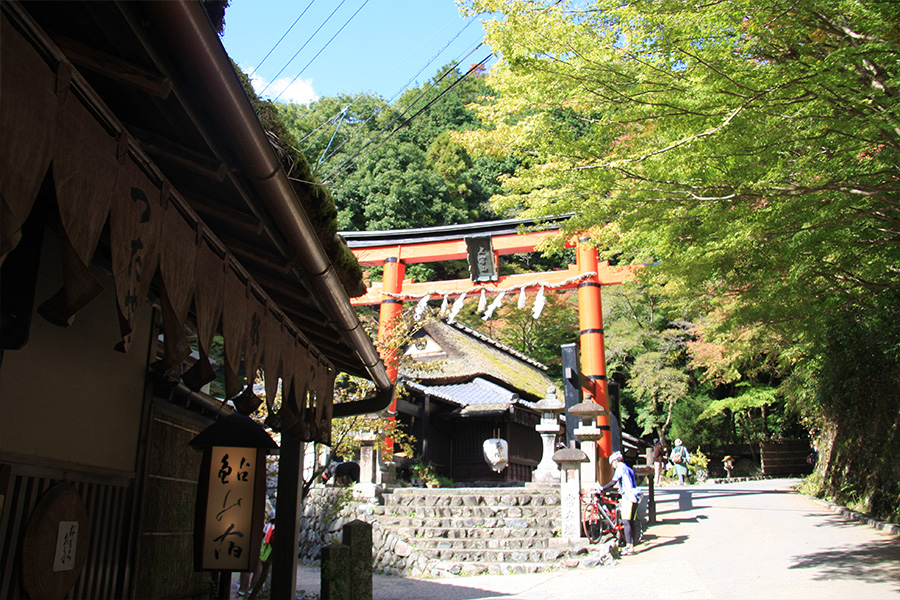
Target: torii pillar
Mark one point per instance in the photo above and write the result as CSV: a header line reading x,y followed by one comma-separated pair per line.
x,y
593,354
390,309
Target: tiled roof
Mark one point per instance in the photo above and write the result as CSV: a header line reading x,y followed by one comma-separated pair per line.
x,y
478,395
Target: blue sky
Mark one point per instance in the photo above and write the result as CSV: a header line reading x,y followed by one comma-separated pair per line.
x,y
380,50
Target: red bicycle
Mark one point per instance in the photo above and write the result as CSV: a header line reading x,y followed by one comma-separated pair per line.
x,y
601,517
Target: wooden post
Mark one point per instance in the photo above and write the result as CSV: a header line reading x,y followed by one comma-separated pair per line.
x,y
286,539
651,479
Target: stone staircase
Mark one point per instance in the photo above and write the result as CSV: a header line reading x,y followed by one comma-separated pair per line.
x,y
469,531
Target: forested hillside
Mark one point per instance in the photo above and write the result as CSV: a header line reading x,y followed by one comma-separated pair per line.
x,y
748,153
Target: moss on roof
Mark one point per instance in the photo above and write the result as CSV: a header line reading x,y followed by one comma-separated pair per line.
x,y
468,357
315,199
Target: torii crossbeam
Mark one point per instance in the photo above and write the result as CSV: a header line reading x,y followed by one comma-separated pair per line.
x,y
394,249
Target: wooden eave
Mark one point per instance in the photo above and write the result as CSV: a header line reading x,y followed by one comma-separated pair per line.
x,y
121,58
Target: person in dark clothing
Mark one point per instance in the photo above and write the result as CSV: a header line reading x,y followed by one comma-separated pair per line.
x,y
344,473
659,461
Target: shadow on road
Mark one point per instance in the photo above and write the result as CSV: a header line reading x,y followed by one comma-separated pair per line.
x,y
649,541
875,562
389,587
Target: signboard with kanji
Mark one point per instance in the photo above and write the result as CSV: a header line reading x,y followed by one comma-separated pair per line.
x,y
229,539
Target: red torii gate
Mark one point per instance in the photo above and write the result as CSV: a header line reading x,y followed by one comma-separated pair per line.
x,y
394,249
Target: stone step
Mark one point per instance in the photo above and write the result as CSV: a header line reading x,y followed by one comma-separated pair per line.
x,y
477,533
532,543
469,497
488,556
467,531
484,512
518,522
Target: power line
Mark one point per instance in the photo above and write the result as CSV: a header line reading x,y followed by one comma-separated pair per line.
x,y
409,120
402,89
297,20
328,43
328,18
408,108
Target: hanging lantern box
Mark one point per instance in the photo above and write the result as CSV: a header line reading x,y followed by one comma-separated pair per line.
x,y
231,494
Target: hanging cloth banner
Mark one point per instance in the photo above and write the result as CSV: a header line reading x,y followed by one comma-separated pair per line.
x,y
209,268
272,361
457,306
538,304
178,241
234,329
444,306
28,126
84,173
494,306
135,222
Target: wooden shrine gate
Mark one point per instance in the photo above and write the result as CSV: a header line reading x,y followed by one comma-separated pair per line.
x,y
483,244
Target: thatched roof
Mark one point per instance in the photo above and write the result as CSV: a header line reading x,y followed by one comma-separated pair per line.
x,y
466,354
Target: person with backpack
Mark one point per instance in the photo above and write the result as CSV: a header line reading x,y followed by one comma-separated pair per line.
x,y
680,459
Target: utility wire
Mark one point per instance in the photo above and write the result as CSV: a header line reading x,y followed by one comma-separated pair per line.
x,y
392,98
297,20
328,18
408,108
328,43
409,120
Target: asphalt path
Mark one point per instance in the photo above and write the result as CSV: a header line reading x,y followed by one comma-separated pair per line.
x,y
755,539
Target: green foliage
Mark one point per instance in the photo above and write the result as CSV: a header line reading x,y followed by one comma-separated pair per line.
x,y
749,398
395,166
698,468
749,151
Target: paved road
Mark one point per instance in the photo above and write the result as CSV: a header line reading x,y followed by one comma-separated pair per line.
x,y
729,541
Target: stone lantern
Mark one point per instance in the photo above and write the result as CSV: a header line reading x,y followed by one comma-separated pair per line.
x,y
588,433
570,460
550,407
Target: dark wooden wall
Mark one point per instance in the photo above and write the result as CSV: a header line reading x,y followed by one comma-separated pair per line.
x,y
165,564
109,500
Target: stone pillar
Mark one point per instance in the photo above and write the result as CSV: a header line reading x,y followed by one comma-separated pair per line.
x,y
550,407
335,572
358,537
569,460
589,434
369,467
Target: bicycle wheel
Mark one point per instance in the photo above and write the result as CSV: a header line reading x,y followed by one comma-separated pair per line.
x,y
591,523
620,528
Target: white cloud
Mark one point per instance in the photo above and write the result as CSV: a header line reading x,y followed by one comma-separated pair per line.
x,y
299,92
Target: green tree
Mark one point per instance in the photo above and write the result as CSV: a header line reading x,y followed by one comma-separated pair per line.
x,y
748,149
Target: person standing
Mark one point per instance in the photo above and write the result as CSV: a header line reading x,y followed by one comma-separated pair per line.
x,y
659,460
680,458
631,497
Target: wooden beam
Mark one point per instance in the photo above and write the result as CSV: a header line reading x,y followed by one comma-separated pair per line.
x,y
559,280
157,145
114,67
511,243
